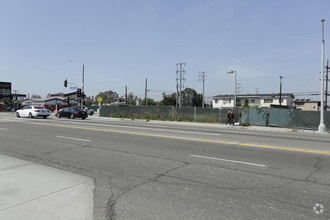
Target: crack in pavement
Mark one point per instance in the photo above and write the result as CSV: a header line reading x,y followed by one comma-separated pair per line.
x,y
62,150
317,167
110,210
208,185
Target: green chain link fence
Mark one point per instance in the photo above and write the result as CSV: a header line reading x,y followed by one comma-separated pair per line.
x,y
272,117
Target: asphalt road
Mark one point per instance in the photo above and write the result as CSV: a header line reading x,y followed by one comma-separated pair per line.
x,y
165,170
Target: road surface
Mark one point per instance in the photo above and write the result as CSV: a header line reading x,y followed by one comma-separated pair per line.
x,y
169,170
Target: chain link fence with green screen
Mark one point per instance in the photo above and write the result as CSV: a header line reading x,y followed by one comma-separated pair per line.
x,y
273,117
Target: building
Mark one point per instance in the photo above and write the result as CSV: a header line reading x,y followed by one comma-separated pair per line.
x,y
307,105
54,102
260,100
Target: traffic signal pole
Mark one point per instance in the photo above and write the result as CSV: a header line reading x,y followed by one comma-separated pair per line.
x,y
82,87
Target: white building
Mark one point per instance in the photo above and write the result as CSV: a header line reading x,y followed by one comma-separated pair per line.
x,y
307,105
261,100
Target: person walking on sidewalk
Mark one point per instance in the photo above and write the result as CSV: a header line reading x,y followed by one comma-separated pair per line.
x,y
228,118
232,118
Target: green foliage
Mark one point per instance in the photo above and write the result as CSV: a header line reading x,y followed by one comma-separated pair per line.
x,y
168,100
245,124
132,99
149,102
108,96
88,101
190,98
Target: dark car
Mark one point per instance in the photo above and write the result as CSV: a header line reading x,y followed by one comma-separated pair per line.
x,y
72,113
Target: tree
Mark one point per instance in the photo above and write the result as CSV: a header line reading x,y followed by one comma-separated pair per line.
x,y
149,102
34,96
190,98
168,100
88,101
132,99
108,96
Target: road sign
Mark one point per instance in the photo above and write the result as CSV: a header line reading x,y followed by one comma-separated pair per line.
x,y
73,88
99,99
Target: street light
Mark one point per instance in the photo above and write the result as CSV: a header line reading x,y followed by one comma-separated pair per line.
x,y
322,127
230,72
82,85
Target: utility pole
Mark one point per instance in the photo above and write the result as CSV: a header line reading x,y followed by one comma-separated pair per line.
x,y
180,77
145,92
202,79
177,94
322,127
16,92
82,87
281,77
235,95
326,86
126,94
238,88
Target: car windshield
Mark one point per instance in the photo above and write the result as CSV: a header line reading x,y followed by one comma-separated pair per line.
x,y
39,107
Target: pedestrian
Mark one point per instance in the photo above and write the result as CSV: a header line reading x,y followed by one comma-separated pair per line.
x,y
232,118
267,119
228,118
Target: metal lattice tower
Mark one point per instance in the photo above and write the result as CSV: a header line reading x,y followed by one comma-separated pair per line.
x,y
180,72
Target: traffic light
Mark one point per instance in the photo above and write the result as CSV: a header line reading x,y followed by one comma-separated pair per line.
x,y
78,92
66,83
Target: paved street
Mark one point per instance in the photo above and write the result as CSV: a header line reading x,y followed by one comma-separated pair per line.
x,y
169,170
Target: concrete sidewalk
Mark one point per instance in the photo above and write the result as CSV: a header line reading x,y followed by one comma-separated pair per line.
x,y
32,191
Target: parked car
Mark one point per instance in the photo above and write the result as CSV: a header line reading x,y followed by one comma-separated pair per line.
x,y
72,113
8,109
90,111
33,111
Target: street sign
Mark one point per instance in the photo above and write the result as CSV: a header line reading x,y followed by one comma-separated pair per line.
x,y
99,99
74,88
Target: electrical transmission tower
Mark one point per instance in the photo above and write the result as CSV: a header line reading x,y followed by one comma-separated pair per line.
x,y
180,71
202,79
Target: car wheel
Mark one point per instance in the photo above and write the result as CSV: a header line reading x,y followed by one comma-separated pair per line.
x,y
58,115
30,115
44,116
17,115
83,118
91,113
72,116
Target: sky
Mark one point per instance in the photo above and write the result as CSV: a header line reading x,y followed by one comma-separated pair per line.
x,y
124,42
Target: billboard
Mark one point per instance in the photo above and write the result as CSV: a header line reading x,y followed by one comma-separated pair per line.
x,y
5,91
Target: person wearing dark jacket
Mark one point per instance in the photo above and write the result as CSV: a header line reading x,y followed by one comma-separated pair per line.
x,y
232,118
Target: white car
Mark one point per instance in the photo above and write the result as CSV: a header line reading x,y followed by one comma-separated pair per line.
x,y
33,111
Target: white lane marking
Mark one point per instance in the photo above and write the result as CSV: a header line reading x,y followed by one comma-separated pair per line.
x,y
3,129
72,138
139,128
135,127
231,161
